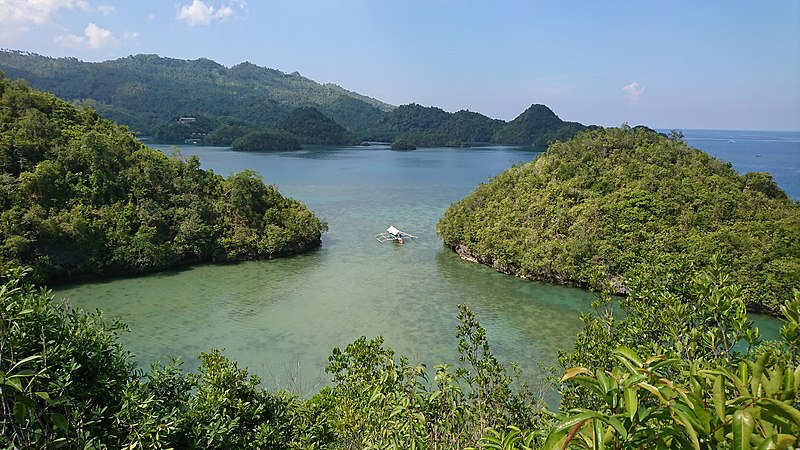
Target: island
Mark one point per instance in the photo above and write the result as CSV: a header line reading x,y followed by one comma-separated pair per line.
x,y
83,198
619,203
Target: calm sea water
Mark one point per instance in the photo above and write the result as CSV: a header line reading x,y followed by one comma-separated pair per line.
x,y
776,152
276,316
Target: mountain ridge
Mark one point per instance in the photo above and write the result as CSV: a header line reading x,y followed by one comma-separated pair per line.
x,y
148,92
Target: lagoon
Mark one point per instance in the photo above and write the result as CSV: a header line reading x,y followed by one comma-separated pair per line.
x,y
281,318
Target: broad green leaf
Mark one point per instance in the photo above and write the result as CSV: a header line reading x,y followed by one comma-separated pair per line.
x,y
620,429
574,371
631,401
579,418
687,425
718,396
628,354
781,409
555,440
13,382
758,369
597,428
742,429
654,391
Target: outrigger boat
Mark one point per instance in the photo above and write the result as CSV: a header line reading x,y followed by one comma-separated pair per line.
x,y
393,234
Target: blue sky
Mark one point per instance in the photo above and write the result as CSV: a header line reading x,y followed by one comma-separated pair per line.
x,y
678,64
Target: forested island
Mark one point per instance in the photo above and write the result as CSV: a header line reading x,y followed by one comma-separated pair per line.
x,y
151,95
621,203
82,198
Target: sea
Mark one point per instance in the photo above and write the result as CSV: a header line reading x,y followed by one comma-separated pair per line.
x,y
281,318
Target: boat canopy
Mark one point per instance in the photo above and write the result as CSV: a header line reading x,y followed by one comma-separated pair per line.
x,y
393,230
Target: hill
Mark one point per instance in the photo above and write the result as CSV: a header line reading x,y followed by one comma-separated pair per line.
x,y
145,91
538,126
614,204
312,127
81,197
150,94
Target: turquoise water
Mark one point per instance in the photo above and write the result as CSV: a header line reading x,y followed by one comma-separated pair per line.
x,y
281,318
272,316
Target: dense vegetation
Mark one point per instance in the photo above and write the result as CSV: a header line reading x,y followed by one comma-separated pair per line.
x,y
682,382
615,203
147,91
537,126
82,197
270,140
312,127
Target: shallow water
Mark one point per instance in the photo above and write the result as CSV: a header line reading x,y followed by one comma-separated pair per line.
x,y
271,316
275,316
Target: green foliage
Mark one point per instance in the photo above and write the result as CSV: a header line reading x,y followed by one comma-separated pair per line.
x,y
403,143
270,140
432,127
381,402
752,406
63,374
89,199
537,126
312,127
224,135
177,133
622,203
145,92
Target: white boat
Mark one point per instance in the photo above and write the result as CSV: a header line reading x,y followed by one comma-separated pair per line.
x,y
393,234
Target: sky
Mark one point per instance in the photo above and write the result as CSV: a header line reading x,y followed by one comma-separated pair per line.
x,y
670,65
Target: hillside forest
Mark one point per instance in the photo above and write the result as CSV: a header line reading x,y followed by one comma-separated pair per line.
x,y
150,94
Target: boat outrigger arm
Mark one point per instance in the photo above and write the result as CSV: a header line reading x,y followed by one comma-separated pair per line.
x,y
393,234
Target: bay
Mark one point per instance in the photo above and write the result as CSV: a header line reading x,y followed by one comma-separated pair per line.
x,y
281,318
275,316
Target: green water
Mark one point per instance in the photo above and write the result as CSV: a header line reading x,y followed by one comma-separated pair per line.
x,y
275,316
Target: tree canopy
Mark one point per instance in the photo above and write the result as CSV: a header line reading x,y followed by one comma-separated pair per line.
x,y
82,197
614,203
312,127
147,91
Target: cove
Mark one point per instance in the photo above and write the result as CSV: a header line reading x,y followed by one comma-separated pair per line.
x,y
281,318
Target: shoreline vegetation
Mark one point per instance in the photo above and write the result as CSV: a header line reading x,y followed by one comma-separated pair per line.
x,y
669,373
82,198
618,203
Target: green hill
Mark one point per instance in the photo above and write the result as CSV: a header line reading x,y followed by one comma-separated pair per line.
x,y
149,93
432,126
537,126
616,203
145,91
312,127
81,197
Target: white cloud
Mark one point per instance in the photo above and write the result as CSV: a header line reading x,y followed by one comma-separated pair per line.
x,y
99,37
93,37
105,9
131,35
151,17
200,13
633,93
70,40
18,12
